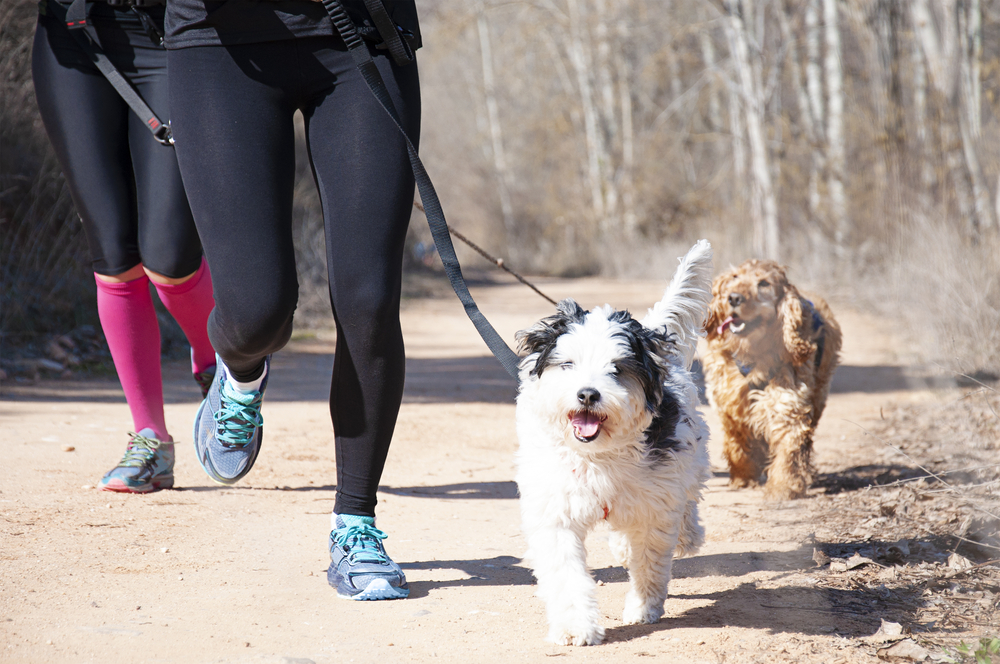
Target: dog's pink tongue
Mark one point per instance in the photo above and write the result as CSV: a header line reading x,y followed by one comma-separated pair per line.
x,y
725,324
586,423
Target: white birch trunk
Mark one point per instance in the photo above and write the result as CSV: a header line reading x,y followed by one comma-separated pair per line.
x,y
970,120
708,58
623,70
835,126
607,125
948,50
582,69
501,171
814,88
764,209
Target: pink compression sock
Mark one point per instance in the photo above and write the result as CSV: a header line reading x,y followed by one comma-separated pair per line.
x,y
190,303
133,334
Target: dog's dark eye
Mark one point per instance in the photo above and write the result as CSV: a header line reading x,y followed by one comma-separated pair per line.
x,y
566,365
763,283
614,369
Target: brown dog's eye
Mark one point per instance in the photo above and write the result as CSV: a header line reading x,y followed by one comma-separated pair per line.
x,y
763,283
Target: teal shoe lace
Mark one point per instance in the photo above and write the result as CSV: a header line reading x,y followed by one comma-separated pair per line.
x,y
362,543
238,417
141,451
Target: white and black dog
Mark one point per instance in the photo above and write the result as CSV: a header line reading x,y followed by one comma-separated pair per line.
x,y
608,429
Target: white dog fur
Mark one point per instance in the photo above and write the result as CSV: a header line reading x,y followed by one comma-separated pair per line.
x,y
608,429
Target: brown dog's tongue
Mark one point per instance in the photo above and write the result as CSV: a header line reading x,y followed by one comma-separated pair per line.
x,y
725,324
586,423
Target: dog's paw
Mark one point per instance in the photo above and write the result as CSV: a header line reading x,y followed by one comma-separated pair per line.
x,y
783,492
576,635
640,612
742,483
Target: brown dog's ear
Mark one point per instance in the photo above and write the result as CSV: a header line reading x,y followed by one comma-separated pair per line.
x,y
715,311
790,312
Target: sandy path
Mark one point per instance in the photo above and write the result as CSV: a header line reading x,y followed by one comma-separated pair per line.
x,y
215,574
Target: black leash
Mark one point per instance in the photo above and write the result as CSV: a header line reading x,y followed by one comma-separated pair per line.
x,y
435,215
499,262
75,18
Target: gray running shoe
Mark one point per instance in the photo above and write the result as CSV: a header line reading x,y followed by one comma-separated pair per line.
x,y
360,567
148,465
229,428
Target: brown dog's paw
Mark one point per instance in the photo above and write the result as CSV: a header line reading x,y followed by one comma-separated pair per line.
x,y
742,483
774,491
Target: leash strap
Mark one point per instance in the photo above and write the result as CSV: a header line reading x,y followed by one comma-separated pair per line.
x,y
435,215
398,47
75,18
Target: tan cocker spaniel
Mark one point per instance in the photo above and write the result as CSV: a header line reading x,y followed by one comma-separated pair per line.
x,y
771,355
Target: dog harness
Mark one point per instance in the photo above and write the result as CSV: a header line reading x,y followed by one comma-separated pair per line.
x,y
817,325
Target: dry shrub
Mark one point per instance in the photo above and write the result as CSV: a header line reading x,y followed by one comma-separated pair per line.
x,y
945,290
46,286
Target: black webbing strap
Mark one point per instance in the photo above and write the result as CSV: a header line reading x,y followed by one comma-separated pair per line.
x,y
397,46
75,18
432,206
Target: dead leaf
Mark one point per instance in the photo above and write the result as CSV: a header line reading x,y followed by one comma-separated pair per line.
x,y
907,649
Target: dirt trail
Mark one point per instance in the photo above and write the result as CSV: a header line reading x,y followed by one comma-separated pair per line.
x,y
214,574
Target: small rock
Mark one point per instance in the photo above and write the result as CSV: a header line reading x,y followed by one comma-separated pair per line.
x,y
87,487
820,558
164,550
600,583
56,351
68,448
838,565
45,363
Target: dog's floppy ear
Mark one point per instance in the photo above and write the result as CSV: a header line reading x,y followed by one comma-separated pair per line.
x,y
790,313
540,339
716,308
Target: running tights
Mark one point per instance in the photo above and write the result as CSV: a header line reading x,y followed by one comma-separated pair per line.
x,y
233,112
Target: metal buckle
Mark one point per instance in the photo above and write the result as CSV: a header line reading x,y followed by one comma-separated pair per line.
x,y
163,135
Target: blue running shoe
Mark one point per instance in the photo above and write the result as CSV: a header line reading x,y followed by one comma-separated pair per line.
x,y
205,379
229,428
148,465
360,567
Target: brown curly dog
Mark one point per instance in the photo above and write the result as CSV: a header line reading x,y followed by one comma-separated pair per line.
x,y
771,355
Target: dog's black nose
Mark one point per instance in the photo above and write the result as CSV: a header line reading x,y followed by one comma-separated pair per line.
x,y
735,299
588,396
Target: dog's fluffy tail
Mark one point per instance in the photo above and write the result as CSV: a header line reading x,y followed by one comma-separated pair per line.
x,y
684,306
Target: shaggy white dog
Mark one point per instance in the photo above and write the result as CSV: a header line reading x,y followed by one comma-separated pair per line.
x,y
608,429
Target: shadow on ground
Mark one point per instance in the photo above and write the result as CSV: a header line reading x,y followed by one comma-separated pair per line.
x,y
461,491
498,571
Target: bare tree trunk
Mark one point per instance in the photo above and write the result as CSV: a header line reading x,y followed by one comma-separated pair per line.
x,y
607,125
501,172
595,145
764,209
708,58
814,86
835,127
970,119
623,70
949,52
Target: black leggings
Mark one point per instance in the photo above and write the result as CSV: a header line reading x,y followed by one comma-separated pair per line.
x,y
126,186
233,109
